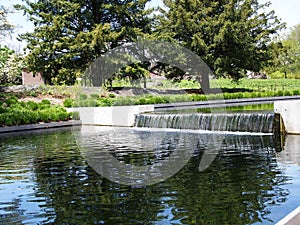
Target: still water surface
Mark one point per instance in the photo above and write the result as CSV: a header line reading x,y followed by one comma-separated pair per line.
x,y
44,179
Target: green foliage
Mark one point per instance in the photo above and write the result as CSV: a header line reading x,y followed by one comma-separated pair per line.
x,y
69,35
133,74
75,115
231,90
46,102
83,96
22,113
230,36
6,28
10,101
95,96
11,65
277,75
111,95
286,55
33,94
68,102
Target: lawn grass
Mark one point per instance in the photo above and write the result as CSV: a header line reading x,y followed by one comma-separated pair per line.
x,y
245,88
258,85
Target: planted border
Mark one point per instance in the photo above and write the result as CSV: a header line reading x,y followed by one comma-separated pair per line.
x,y
97,101
14,112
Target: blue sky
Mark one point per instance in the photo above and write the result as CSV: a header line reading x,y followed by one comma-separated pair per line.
x,y
287,10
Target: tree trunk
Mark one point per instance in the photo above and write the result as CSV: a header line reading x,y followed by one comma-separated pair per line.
x,y
145,82
204,83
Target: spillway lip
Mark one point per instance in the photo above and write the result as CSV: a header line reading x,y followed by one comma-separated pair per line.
x,y
173,130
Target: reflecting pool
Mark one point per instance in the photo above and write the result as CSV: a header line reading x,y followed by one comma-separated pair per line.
x,y
46,178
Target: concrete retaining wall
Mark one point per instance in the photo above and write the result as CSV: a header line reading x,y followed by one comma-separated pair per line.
x,y
290,113
111,116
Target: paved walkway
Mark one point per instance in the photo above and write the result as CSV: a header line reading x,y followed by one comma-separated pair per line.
x,y
291,219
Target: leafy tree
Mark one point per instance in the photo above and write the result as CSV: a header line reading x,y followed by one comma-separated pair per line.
x,y
6,28
293,41
286,53
69,35
11,65
231,36
281,58
292,54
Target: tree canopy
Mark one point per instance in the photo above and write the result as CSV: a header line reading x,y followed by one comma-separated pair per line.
x,y
231,36
11,65
6,27
69,35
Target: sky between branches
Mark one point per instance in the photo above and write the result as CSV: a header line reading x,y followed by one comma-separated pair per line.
x,y
287,10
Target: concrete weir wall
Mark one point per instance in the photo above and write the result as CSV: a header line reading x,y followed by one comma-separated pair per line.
x,y
111,116
290,113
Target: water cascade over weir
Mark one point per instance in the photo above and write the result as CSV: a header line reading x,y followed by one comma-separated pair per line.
x,y
237,122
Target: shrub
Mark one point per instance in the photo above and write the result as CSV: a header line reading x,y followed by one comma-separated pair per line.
x,y
44,116
33,94
196,98
104,102
10,101
279,93
124,101
62,116
111,95
2,119
288,93
68,102
141,101
94,96
32,105
3,110
296,92
75,115
83,96
21,113
46,102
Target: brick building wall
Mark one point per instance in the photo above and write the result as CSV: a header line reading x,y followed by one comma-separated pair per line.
x,y
31,78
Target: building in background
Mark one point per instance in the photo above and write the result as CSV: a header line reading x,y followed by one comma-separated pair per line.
x,y
32,78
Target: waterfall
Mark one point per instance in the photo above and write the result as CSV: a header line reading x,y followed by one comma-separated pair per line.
x,y
240,122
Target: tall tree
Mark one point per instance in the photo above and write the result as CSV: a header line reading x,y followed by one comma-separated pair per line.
x,y
231,36
6,27
292,56
70,34
286,53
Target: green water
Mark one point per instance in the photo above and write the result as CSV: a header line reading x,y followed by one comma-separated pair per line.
x,y
251,108
44,179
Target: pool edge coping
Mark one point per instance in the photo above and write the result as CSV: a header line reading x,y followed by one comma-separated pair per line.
x,y
40,126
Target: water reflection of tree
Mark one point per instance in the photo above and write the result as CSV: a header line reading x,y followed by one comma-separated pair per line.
x,y
79,195
238,188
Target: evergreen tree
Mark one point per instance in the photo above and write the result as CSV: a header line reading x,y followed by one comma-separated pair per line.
x,y
70,34
231,36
